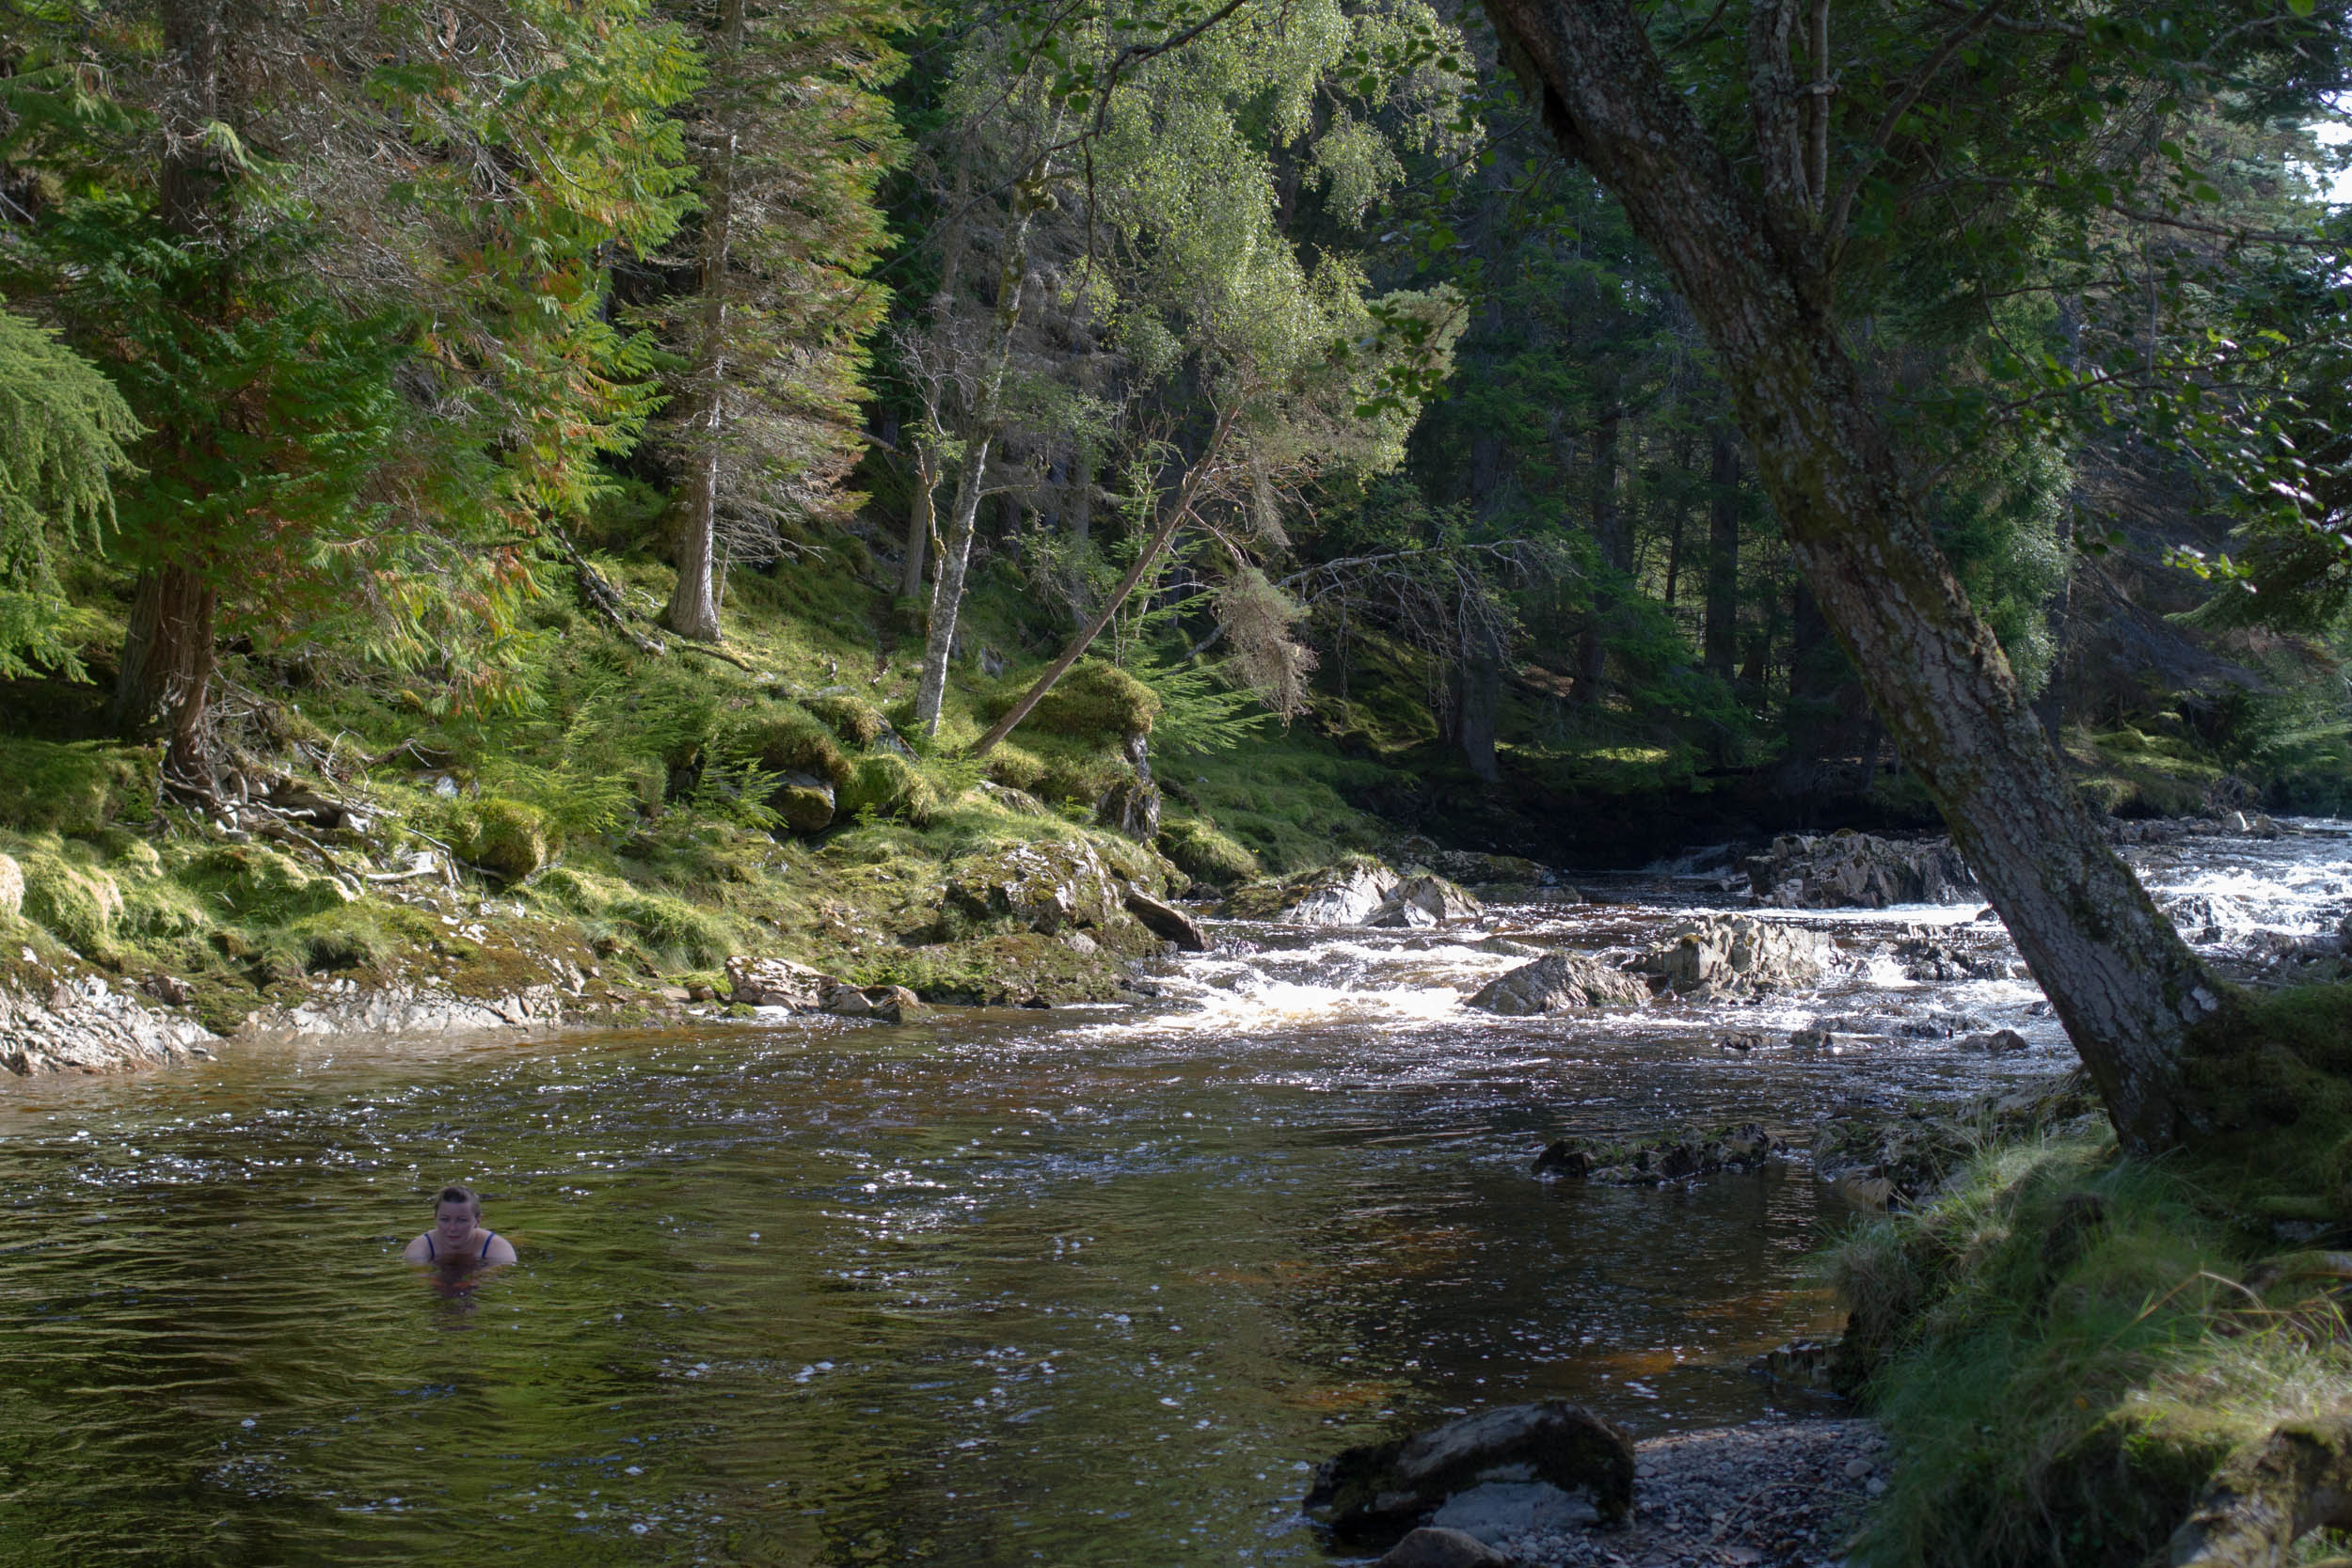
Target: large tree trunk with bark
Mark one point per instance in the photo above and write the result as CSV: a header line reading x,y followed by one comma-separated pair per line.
x,y
2125,986
167,673
168,653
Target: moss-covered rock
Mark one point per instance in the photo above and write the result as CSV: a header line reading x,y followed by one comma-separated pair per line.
x,y
1047,887
784,737
504,837
1204,854
859,723
77,905
1016,768
161,912
72,788
888,784
1093,702
804,802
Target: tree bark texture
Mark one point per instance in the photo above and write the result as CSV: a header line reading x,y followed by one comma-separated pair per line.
x,y
167,673
955,554
693,606
922,517
1719,638
2125,986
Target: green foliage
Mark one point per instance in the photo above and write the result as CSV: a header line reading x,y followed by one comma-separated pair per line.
x,y
785,738
77,787
62,430
888,784
254,886
675,930
1203,853
858,723
2069,1355
78,905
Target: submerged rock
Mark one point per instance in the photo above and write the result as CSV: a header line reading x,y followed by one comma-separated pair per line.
x,y
1381,1491
1673,1158
1850,870
1931,956
1736,955
1558,982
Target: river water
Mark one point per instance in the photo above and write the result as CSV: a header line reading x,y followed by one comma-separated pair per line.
x,y
1078,1287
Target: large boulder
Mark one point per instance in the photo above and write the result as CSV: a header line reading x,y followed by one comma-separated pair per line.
x,y
1424,900
1380,1492
1047,887
1736,956
1850,870
1348,895
1558,982
1430,1547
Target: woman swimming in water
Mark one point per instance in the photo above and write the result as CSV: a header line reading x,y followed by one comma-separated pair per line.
x,y
457,1239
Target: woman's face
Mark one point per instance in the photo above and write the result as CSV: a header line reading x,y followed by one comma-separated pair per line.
x,y
454,1222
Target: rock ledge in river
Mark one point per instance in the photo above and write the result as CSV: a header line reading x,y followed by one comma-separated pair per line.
x,y
1558,982
85,1025
1850,870
781,983
1736,955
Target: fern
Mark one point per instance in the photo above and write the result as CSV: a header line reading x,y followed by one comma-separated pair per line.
x,y
1199,713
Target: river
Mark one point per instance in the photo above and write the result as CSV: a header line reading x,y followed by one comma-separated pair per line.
x,y
1079,1287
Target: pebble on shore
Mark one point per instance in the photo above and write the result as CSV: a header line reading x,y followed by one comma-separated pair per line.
x,y
1770,1494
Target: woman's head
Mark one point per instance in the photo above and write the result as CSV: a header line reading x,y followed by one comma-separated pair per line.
x,y
456,1211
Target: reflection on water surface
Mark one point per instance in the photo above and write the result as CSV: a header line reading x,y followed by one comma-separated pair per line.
x,y
1076,1289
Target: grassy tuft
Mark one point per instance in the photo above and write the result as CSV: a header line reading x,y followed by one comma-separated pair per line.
x,y
1205,854
2067,1343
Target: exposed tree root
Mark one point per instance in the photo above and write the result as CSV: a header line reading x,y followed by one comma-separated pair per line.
x,y
2270,1494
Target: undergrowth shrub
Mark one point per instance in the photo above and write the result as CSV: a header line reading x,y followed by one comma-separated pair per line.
x,y
675,929
76,788
1204,854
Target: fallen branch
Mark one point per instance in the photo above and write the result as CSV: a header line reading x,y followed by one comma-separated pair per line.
x,y
602,597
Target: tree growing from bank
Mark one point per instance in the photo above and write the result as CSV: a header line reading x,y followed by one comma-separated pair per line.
x,y
1767,175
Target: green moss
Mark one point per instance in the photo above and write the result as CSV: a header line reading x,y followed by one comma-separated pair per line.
x,y
72,788
256,886
689,936
506,839
1205,854
2063,1347
1095,701
1015,767
859,723
160,912
77,905
888,784
784,737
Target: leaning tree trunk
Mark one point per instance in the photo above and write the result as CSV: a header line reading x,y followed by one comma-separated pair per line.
x,y
693,606
2125,986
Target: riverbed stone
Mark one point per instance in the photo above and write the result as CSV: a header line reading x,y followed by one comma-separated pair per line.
x,y
1347,894
1558,982
778,983
882,1004
1045,887
1381,1491
1439,1546
1736,955
1851,870
1424,900
1166,921
1995,1042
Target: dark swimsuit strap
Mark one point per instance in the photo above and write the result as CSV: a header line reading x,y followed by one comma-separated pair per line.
x,y
431,1252
486,1242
